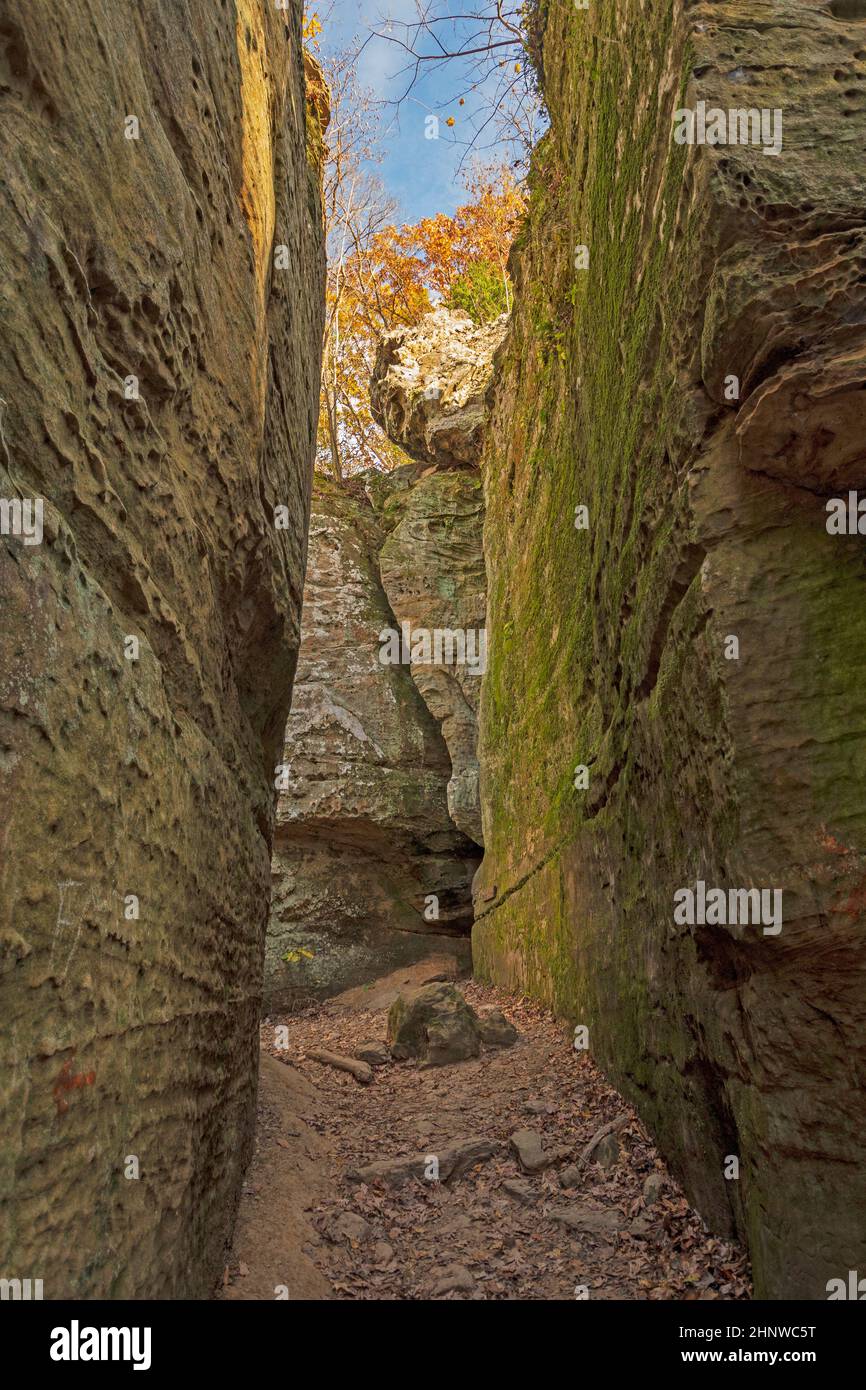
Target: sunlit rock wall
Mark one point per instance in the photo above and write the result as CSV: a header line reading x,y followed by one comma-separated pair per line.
x,y
161,279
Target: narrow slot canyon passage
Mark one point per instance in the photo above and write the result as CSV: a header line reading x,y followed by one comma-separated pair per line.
x,y
421,1134
432,762
556,1191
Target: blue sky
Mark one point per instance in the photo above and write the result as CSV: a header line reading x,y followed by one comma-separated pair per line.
x,y
420,173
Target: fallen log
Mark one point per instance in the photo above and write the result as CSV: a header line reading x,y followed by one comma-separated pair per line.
x,y
360,1070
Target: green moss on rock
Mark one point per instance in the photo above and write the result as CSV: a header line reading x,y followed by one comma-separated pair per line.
x,y
608,643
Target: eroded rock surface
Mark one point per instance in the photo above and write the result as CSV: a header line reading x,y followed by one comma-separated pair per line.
x,y
429,392
159,385
369,870
432,568
379,823
429,386
706,513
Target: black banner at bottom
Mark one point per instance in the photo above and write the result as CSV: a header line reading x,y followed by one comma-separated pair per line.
x,y
239,1338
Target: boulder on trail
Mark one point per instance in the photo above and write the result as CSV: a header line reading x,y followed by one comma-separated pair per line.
x,y
532,1155
608,1151
454,1279
587,1220
375,1054
653,1189
520,1190
434,1024
348,1227
495,1029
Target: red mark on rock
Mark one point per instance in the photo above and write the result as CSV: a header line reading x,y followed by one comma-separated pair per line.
x,y
831,844
70,1081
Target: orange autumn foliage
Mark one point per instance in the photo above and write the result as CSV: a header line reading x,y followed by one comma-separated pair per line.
x,y
395,277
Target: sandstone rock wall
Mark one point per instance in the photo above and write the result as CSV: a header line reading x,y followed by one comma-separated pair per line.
x,y
364,840
159,385
432,567
430,393
381,812
707,517
430,384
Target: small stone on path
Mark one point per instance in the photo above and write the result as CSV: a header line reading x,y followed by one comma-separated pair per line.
x,y
455,1279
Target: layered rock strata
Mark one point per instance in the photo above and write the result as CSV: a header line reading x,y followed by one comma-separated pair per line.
x,y
429,392
161,264
379,821
369,871
672,701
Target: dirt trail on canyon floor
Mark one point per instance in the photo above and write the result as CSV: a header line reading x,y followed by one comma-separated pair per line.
x,y
608,1224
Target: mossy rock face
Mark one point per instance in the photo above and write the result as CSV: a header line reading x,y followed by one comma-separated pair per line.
x,y
608,646
434,1024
